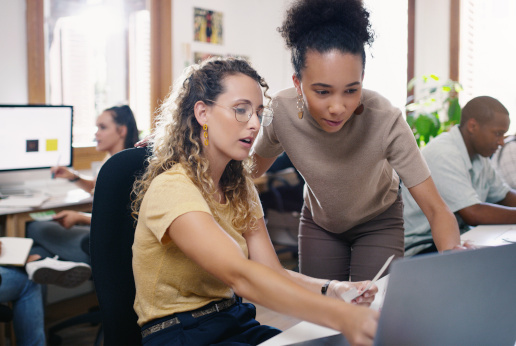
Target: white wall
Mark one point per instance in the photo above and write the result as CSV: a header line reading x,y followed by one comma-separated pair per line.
x,y
249,30
13,60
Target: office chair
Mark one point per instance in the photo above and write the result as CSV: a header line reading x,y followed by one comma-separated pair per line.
x,y
92,317
111,240
282,203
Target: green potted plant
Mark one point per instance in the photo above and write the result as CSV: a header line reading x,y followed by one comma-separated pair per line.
x,y
434,109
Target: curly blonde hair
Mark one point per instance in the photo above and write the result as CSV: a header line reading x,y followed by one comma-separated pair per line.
x,y
177,139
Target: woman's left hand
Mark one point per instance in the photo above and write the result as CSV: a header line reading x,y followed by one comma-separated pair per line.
x,y
338,288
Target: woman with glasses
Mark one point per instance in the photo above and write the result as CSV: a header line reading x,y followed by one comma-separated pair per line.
x,y
201,241
349,144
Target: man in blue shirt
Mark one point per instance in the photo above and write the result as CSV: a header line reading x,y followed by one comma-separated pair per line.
x,y
466,180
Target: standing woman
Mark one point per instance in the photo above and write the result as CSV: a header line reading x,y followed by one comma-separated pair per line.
x,y
201,236
349,145
68,235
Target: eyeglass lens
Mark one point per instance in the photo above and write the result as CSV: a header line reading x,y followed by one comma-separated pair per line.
x,y
244,112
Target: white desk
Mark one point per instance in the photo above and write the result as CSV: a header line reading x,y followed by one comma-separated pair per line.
x,y
487,235
491,235
307,331
59,196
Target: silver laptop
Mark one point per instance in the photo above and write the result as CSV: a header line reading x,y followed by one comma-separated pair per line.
x,y
456,298
459,298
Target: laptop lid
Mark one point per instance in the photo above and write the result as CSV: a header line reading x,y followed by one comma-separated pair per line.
x,y
456,298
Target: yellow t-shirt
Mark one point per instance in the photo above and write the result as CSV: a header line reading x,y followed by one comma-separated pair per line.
x,y
166,280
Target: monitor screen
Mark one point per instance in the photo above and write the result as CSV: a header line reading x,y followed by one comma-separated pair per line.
x,y
35,137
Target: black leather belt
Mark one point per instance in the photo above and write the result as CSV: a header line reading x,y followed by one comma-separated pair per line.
x,y
223,305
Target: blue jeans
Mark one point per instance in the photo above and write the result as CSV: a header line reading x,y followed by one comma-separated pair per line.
x,y
27,299
50,239
233,326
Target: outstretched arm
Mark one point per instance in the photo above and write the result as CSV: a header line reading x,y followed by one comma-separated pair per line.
x,y
261,250
445,230
200,237
85,183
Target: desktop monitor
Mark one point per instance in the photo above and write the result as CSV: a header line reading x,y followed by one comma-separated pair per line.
x,y
33,138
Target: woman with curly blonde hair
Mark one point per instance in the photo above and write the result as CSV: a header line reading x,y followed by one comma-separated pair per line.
x,y
201,242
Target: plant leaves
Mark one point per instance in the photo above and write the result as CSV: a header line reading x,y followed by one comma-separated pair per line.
x,y
454,111
425,126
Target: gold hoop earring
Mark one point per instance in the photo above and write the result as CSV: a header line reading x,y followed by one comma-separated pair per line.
x,y
300,104
360,108
205,134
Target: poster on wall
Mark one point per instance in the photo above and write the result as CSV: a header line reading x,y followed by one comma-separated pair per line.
x,y
207,26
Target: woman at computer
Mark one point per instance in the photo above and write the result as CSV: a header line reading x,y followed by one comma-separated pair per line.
x,y
201,237
69,232
116,130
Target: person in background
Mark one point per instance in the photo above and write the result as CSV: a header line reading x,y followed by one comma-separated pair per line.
x,y
460,166
27,302
504,161
27,299
68,235
350,145
201,241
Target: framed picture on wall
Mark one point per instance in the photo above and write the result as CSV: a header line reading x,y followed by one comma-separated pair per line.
x,y
208,26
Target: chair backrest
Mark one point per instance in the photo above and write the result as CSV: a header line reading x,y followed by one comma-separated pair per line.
x,y
282,203
111,240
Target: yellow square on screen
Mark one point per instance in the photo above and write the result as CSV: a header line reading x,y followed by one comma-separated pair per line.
x,y
51,144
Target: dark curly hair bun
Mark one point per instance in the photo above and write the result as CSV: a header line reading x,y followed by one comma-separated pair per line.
x,y
323,25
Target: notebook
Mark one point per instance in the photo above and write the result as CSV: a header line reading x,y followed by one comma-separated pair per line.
x,y
456,298
14,250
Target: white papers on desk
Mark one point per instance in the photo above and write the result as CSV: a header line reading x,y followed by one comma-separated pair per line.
x,y
491,235
32,201
304,331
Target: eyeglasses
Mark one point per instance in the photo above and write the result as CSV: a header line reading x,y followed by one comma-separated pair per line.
x,y
244,112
